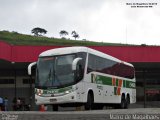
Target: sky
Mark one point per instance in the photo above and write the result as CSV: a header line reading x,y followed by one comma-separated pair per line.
x,y
95,20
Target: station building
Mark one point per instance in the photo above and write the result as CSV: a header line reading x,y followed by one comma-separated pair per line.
x,y
15,82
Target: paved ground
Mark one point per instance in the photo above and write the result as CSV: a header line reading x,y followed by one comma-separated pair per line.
x,y
109,114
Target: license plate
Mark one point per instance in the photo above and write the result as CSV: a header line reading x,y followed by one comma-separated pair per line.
x,y
53,100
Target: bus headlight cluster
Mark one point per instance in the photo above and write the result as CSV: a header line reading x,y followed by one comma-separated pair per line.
x,y
68,91
64,93
39,92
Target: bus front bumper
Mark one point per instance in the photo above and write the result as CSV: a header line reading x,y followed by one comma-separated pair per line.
x,y
68,98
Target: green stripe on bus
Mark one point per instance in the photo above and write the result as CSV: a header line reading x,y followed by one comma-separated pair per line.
x,y
130,84
99,79
116,82
115,90
106,80
124,83
60,90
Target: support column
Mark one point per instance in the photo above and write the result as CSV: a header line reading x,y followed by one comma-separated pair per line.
x,y
15,83
144,85
15,79
31,97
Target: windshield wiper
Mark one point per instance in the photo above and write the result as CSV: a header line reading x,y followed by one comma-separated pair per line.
x,y
49,75
56,79
48,78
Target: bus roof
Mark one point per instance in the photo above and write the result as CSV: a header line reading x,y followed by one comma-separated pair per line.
x,y
63,50
70,50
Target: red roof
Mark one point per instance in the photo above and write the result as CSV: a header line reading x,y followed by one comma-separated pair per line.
x,y
21,53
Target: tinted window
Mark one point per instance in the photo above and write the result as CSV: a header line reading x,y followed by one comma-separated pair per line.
x,y
107,66
83,56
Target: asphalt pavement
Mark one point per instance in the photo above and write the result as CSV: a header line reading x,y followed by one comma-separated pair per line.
x,y
108,114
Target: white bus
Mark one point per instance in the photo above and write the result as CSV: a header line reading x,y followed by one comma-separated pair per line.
x,y
73,76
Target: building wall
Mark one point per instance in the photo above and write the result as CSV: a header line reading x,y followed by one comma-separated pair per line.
x,y
20,90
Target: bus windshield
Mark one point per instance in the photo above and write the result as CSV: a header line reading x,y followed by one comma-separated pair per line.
x,y
55,71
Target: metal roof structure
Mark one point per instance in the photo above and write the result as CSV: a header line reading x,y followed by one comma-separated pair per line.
x,y
137,54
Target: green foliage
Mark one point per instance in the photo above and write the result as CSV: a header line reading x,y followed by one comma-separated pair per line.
x,y
63,33
75,34
16,38
38,31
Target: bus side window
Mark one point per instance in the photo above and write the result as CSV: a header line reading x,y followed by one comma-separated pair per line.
x,y
83,56
91,63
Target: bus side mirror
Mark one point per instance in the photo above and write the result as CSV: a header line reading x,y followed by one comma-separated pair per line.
x,y
77,68
30,67
74,63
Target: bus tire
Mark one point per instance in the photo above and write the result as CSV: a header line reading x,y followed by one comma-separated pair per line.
x,y
55,107
127,102
123,102
90,102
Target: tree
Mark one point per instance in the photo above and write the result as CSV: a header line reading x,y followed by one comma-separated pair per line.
x,y
38,31
75,34
63,33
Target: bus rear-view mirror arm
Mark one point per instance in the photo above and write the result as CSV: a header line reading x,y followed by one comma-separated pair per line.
x,y
30,67
74,63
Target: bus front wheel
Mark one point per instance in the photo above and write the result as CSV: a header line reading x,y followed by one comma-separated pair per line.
x,y
90,102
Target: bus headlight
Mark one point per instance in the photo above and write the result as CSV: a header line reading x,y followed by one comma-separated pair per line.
x,y
39,94
67,92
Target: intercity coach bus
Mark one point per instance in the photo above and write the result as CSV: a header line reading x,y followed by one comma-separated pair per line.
x,y
74,76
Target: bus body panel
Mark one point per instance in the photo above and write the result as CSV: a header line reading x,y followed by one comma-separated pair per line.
x,y
107,93
106,88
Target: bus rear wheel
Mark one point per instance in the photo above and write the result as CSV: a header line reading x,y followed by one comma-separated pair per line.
x,y
123,102
90,102
127,102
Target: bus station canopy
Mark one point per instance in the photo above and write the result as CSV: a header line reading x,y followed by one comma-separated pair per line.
x,y
134,54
